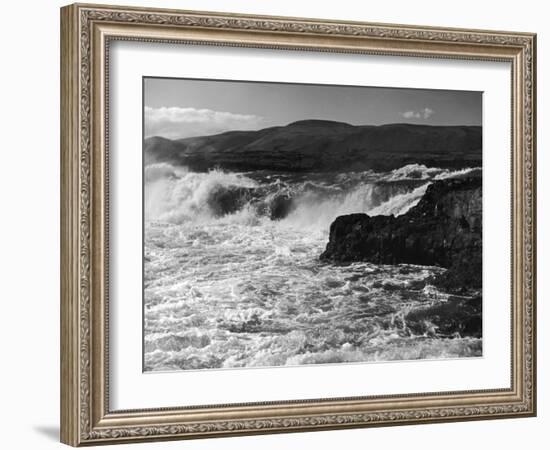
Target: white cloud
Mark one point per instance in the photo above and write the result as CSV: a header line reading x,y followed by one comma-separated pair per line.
x,y
177,123
411,115
425,113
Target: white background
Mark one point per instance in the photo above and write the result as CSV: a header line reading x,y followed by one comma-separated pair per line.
x,y
29,237
132,389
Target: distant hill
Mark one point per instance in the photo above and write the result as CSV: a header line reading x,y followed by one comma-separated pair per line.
x,y
321,145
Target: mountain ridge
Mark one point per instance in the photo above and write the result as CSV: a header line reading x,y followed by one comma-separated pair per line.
x,y
320,145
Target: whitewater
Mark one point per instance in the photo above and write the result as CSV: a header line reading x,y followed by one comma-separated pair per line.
x,y
232,276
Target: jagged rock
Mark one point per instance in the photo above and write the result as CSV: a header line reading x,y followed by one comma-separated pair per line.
x,y
280,206
456,316
443,229
227,200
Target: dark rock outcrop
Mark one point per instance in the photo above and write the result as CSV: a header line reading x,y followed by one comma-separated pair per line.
x,y
228,200
443,229
280,206
323,146
456,316
225,200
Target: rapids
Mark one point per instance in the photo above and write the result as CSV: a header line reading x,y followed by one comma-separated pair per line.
x,y
232,276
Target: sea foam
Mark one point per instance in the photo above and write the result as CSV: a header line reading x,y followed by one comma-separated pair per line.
x,y
242,289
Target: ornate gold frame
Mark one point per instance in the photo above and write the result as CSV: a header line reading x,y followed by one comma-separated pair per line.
x,y
86,31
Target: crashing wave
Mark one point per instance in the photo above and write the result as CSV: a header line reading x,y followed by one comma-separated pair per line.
x,y
159,171
176,195
422,172
401,203
180,195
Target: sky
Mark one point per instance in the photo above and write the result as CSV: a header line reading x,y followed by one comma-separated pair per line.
x,y
179,108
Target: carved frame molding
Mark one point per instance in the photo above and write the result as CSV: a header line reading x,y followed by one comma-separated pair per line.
x,y
86,33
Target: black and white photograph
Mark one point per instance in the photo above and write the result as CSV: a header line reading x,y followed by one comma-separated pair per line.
x,y
296,224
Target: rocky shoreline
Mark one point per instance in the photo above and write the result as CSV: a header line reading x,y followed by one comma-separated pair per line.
x,y
444,229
